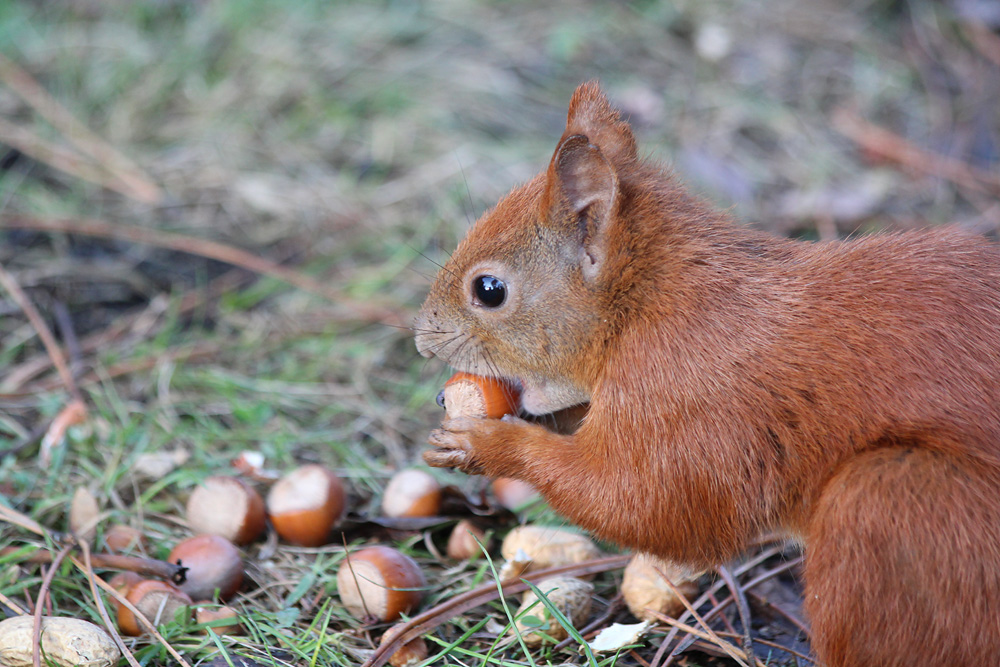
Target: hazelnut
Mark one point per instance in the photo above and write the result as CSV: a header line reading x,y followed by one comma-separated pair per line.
x,y
224,620
411,653
380,582
213,563
305,504
226,506
411,493
465,540
157,600
120,538
513,493
467,395
123,581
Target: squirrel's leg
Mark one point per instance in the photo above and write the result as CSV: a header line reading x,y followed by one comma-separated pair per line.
x,y
508,447
614,491
903,562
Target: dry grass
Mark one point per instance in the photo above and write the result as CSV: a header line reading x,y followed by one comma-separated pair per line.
x,y
352,144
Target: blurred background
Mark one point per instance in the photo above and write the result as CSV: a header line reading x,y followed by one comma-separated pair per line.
x,y
227,211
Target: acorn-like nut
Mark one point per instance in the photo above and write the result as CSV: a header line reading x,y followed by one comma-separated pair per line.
x,y
224,620
226,506
124,581
159,601
412,493
305,504
548,547
647,594
213,563
380,582
467,395
66,642
120,538
513,493
571,596
465,540
411,653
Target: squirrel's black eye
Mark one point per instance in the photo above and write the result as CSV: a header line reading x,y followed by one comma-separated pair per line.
x,y
490,291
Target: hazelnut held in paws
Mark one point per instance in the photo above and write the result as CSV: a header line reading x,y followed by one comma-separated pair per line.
x,y
845,394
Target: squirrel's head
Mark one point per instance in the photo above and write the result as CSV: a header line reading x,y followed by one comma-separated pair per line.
x,y
525,295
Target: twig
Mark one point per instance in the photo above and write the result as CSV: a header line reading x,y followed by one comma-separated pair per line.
x,y
12,516
430,619
195,353
765,642
127,177
12,606
741,606
48,340
140,617
714,588
366,311
147,567
985,41
101,609
897,149
614,607
718,608
59,157
43,592
38,364
75,412
784,613
724,645
709,635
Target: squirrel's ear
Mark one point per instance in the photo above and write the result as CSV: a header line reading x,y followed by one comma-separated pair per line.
x,y
591,115
580,176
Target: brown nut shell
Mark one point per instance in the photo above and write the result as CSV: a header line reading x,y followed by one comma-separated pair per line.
x,y
411,653
411,493
123,581
213,563
226,506
380,582
157,600
467,395
225,620
305,504
513,493
120,538
465,540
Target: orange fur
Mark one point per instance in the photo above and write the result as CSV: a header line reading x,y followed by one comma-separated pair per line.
x,y
846,393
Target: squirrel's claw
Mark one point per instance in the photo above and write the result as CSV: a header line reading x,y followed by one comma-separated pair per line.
x,y
453,446
445,458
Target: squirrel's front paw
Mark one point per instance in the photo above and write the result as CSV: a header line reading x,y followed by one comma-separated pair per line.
x,y
453,445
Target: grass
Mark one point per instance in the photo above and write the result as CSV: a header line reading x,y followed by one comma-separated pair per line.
x,y
356,142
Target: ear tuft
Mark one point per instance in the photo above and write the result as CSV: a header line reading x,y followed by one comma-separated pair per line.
x,y
591,115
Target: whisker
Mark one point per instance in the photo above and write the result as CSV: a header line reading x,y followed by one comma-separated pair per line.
x,y
468,194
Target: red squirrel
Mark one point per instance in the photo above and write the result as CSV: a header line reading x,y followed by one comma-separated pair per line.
x,y
844,393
